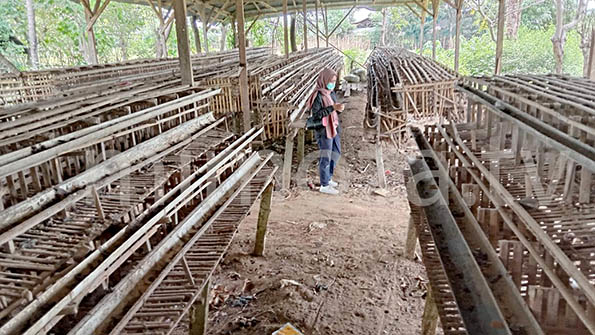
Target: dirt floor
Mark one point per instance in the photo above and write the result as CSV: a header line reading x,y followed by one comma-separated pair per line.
x,y
333,264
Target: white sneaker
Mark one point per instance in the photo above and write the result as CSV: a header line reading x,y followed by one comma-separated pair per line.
x,y
329,190
333,183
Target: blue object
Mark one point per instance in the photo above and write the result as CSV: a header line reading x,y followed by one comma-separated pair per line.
x,y
330,86
330,152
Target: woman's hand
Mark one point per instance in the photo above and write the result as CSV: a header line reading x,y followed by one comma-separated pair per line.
x,y
338,107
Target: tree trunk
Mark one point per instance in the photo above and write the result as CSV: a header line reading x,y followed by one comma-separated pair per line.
x,y
32,35
513,17
7,64
196,35
383,31
205,33
223,36
559,38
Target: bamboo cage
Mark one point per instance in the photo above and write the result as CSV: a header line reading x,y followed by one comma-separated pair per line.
x,y
278,88
24,87
523,160
404,87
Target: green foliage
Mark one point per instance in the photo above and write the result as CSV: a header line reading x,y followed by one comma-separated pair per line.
x,y
530,53
353,57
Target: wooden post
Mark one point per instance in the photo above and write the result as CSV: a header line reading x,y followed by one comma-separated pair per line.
x,y
287,160
459,16
500,37
199,313
305,15
263,219
326,25
285,32
411,241
196,35
183,44
591,66
316,5
429,320
379,160
435,9
244,98
301,139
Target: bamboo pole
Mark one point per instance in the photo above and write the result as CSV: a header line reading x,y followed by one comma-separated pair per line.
x,y
285,32
244,98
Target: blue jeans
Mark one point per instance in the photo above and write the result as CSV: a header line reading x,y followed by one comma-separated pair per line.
x,y
330,151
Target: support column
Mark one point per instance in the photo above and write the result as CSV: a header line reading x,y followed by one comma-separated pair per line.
x,y
301,140
244,98
285,33
305,15
326,25
459,16
196,35
500,37
199,312
183,44
411,241
288,160
316,4
430,317
263,220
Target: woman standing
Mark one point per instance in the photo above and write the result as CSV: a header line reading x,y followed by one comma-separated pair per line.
x,y
323,106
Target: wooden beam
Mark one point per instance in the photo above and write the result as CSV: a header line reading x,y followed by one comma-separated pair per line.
x,y
183,44
500,38
244,98
285,32
305,15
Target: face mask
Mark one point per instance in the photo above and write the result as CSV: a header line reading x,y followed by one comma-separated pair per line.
x,y
330,86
